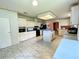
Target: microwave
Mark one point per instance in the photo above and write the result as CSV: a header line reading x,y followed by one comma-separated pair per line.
x,y
22,29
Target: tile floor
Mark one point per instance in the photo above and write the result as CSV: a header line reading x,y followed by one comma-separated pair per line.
x,y
34,48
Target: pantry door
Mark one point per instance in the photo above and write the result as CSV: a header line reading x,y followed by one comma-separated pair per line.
x,y
5,38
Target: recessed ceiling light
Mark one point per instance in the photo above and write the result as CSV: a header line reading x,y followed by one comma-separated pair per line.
x,y
46,16
69,14
35,3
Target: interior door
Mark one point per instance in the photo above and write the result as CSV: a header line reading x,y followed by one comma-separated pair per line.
x,y
56,25
5,39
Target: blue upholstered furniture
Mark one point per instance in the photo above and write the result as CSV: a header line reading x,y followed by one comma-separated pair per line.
x,y
67,49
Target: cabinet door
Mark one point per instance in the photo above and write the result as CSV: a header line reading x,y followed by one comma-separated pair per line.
x,y
5,39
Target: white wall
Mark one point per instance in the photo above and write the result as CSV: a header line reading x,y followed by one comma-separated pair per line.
x,y
12,16
63,22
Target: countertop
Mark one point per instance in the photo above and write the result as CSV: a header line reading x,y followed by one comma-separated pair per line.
x,y
70,36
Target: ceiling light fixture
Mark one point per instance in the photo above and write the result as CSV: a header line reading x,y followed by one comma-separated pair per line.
x,y
46,16
35,3
69,14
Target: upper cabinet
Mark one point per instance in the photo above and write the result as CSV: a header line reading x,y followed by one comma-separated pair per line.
x,y
75,15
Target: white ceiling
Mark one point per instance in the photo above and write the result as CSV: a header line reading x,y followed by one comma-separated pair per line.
x,y
59,7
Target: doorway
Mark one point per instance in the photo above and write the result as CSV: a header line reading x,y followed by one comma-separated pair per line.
x,y
56,27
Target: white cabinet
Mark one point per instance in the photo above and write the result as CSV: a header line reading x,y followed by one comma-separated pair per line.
x,y
13,20
78,33
27,35
75,15
22,22
5,38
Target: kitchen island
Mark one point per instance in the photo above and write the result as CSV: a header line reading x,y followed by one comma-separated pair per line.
x,y
48,35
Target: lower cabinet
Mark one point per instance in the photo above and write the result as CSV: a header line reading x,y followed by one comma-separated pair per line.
x,y
27,35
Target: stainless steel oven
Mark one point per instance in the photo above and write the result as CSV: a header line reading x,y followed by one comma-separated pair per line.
x,y
22,29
